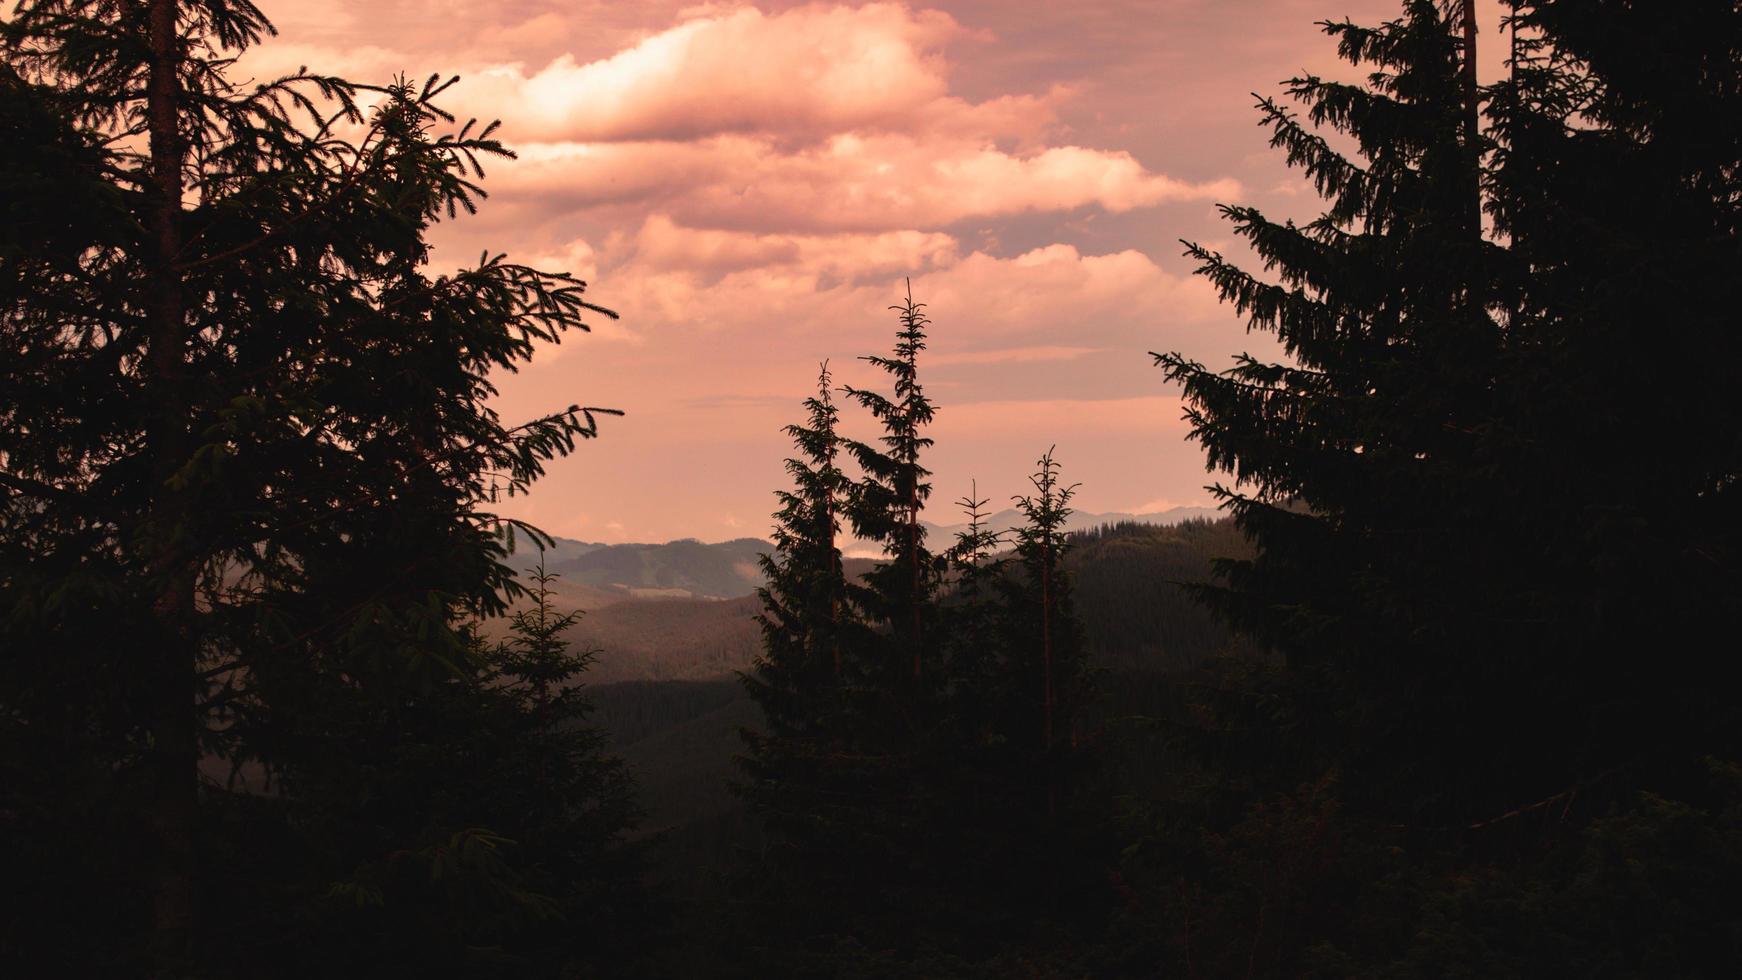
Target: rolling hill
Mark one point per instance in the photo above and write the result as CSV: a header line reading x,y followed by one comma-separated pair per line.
x,y
688,568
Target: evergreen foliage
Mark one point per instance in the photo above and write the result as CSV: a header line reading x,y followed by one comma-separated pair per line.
x,y
838,773
797,774
885,504
476,827
920,721
1477,718
1359,459
248,466
1491,578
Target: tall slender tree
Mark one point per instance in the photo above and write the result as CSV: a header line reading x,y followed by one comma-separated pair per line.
x,y
276,479
888,500
1040,546
850,707
795,772
1359,460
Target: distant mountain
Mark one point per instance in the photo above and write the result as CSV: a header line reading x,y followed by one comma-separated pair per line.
x,y
676,569
681,569
664,690
527,553
659,613
1080,520
600,574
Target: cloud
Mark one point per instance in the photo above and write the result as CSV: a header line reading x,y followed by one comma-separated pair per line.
x,y
846,257
811,69
817,118
849,181
1065,292
827,294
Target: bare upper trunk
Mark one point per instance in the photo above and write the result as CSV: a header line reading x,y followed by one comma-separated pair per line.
x,y
1472,114
172,776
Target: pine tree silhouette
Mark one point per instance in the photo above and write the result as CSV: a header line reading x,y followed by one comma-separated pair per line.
x,y
249,459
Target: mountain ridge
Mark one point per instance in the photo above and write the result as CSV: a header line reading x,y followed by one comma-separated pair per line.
x,y
691,568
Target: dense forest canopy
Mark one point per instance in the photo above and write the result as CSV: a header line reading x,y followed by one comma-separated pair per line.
x,y
1449,692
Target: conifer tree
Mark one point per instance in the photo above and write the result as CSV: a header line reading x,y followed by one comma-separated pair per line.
x,y
1617,181
906,738
894,702
887,501
475,826
1011,810
1486,568
973,603
271,493
1456,517
794,771
1359,458
842,772
1040,546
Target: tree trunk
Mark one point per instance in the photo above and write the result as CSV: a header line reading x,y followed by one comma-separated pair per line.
x,y
171,806
1046,632
913,564
1472,114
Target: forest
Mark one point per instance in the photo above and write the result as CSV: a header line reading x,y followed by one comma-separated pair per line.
x,y
1441,691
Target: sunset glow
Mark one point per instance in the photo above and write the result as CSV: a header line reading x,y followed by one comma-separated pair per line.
x,y
749,185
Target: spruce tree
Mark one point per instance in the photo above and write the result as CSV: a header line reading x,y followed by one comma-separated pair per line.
x,y
248,458
917,769
795,775
887,501
894,703
1012,816
1617,182
973,603
1040,548
842,771
474,826
1358,461
1492,492
1456,518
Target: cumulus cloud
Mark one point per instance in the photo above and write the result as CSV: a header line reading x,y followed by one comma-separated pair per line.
x,y
662,244
800,71
849,181
831,287
817,118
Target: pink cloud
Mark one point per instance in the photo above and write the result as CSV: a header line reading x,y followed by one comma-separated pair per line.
x,y
849,181
663,244
799,71
1059,287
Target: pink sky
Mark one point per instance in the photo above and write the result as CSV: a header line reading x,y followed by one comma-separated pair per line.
x,y
749,184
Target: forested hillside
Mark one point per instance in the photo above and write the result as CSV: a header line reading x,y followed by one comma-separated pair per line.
x,y
1133,583
665,676
1135,589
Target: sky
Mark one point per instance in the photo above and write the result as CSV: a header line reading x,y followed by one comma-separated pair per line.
x,y
749,186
